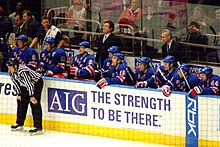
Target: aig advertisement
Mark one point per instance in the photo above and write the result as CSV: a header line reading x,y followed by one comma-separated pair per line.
x,y
118,107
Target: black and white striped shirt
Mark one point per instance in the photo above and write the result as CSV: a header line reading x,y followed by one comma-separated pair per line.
x,y
24,77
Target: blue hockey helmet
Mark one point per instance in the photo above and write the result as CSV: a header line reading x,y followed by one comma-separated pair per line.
x,y
23,38
119,55
85,44
184,67
12,62
49,40
144,60
169,59
207,71
114,49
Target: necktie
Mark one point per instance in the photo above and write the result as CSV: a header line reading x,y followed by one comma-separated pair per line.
x,y
104,38
168,48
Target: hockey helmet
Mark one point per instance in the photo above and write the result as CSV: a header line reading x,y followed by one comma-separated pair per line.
x,y
119,55
12,62
114,49
169,59
23,38
49,40
85,44
207,71
184,67
144,60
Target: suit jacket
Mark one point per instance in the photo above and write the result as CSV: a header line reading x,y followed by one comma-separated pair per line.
x,y
175,50
102,52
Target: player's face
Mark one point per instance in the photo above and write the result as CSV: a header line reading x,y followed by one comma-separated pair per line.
x,y
180,74
48,47
81,50
110,55
203,77
21,44
166,66
11,69
45,23
142,67
106,28
165,38
114,61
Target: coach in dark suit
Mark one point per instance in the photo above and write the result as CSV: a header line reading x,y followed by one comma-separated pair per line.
x,y
171,47
106,40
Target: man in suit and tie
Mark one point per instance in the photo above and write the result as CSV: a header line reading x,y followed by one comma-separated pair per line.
x,y
170,46
106,40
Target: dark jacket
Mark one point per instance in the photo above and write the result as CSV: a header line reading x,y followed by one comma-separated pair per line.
x,y
102,52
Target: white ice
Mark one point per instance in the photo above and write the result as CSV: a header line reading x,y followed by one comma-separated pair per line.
x,y
10,138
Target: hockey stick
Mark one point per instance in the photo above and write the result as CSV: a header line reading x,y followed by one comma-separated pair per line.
x,y
154,72
187,83
162,74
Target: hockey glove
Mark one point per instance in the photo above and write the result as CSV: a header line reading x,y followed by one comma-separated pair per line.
x,y
141,84
196,90
102,83
40,70
49,73
157,81
166,90
74,70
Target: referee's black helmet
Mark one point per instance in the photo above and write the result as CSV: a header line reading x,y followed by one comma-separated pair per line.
x,y
12,62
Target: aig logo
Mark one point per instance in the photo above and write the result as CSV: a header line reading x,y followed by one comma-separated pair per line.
x,y
67,101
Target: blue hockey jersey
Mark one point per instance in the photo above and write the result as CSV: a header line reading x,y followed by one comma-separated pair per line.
x,y
211,87
86,65
28,57
145,76
193,81
123,75
53,60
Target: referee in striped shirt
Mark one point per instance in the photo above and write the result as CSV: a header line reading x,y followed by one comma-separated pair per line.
x,y
28,85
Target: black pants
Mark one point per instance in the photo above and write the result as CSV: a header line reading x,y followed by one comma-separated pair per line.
x,y
22,105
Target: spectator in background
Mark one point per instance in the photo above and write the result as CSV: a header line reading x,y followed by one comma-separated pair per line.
x,y
47,30
32,24
52,60
132,15
217,43
150,22
91,13
106,40
76,11
20,27
5,28
83,65
216,21
194,35
19,10
200,17
171,47
25,54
